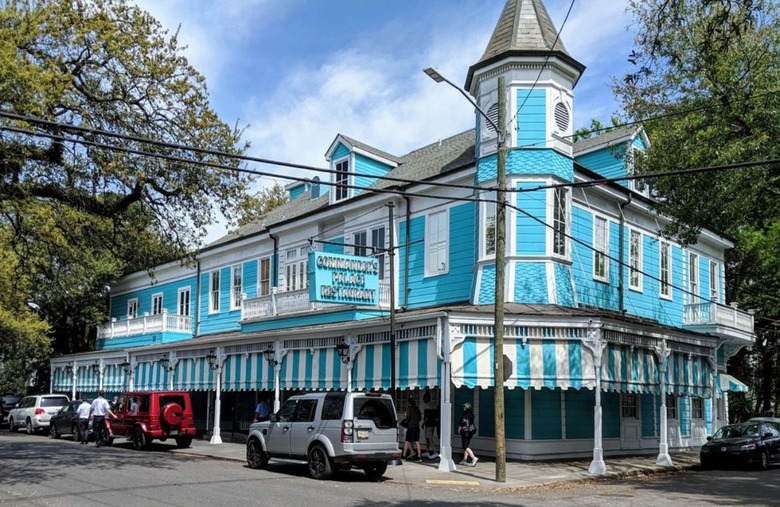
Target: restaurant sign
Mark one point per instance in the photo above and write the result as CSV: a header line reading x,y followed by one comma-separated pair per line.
x,y
343,279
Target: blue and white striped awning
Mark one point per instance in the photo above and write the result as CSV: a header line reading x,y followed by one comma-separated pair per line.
x,y
150,376
193,374
61,380
727,383
629,369
247,372
114,378
688,375
536,364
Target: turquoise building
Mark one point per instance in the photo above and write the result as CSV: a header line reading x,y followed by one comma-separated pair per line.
x,y
615,338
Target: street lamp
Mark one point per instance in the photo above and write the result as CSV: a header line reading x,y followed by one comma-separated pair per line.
x,y
270,354
498,306
211,358
126,366
96,367
343,351
165,362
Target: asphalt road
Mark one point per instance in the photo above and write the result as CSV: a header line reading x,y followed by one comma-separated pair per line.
x,y
35,470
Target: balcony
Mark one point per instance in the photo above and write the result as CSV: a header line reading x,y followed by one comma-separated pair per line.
x,y
148,324
720,320
296,301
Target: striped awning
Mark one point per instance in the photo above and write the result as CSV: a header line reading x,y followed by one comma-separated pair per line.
x,y
629,369
150,376
688,375
536,364
114,378
727,383
86,379
247,372
193,374
61,380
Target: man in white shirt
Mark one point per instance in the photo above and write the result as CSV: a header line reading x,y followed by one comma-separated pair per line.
x,y
100,408
83,412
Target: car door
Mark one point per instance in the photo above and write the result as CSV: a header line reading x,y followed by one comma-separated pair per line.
x,y
773,441
20,412
302,427
277,438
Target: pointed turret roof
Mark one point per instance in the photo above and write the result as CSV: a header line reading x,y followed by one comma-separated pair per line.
x,y
524,29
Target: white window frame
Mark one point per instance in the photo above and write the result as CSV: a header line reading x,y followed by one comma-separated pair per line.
x,y
715,281
601,251
157,303
488,216
132,308
264,279
185,301
665,273
236,285
296,266
561,222
693,277
360,244
377,240
341,179
671,406
215,291
635,264
437,243
629,406
639,186
697,408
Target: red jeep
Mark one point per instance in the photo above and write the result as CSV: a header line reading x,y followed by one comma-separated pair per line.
x,y
142,416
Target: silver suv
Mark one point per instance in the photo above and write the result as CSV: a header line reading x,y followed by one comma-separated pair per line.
x,y
330,431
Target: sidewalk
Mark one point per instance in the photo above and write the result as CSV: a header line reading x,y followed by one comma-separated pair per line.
x,y
519,474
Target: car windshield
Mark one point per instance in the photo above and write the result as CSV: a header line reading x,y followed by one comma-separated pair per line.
x,y
747,430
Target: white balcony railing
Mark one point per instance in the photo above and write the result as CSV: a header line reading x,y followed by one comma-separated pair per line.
x,y
296,301
717,314
147,324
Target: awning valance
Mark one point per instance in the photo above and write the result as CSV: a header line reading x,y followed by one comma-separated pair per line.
x,y
727,383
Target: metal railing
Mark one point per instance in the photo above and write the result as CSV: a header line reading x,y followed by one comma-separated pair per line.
x,y
160,323
295,301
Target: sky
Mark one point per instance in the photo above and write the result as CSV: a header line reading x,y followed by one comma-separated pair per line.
x,y
296,73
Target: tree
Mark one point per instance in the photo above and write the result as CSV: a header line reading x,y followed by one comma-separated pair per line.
x,y
709,69
266,200
75,212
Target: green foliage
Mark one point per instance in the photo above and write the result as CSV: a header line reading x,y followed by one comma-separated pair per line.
x,y
264,202
709,69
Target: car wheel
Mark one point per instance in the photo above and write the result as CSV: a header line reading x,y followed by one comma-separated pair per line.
x,y
184,441
706,465
375,470
320,466
74,430
140,440
29,426
763,460
53,431
11,425
255,457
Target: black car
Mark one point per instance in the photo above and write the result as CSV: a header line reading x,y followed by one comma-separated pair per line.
x,y
66,421
754,443
7,402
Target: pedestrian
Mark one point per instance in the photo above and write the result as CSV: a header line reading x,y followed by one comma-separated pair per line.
x,y
83,414
467,429
412,438
263,410
134,405
99,410
430,423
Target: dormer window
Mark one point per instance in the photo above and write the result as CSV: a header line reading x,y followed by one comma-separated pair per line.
x,y
341,187
634,158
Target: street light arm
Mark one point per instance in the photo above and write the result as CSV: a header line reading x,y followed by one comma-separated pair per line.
x,y
436,76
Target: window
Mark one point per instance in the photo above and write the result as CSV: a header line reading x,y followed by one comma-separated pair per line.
x,y
436,243
264,277
157,304
600,248
184,302
296,269
132,308
378,248
635,260
306,411
559,222
235,287
360,241
342,179
634,158
489,225
714,281
629,406
671,406
666,270
693,277
214,292
697,408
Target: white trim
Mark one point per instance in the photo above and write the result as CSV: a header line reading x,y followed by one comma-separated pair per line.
x,y
715,291
693,295
664,245
640,260
567,246
260,275
350,179
482,231
552,293
596,252
212,299
444,227
189,301
132,303
157,296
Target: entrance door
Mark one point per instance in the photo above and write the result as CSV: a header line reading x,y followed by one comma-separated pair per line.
x,y
630,423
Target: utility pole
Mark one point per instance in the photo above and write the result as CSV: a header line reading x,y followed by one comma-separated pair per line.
x,y
498,324
391,260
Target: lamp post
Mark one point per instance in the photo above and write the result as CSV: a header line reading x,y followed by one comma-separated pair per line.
x,y
273,354
73,369
215,360
498,315
97,367
346,350
128,367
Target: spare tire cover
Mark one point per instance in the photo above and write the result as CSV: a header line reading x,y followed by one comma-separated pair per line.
x,y
172,414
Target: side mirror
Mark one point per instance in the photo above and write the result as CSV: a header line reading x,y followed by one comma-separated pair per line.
x,y
709,438
272,418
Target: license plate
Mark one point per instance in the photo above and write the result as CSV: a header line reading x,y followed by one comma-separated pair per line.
x,y
362,434
174,433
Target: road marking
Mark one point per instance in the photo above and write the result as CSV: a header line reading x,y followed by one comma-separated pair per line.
x,y
451,482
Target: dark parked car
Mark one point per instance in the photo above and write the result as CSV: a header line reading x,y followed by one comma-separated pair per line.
x,y
66,421
745,444
7,402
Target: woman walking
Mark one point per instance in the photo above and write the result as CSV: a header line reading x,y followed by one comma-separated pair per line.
x,y
467,429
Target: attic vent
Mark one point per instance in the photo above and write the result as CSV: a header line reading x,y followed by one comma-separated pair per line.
x,y
492,113
562,116
315,187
